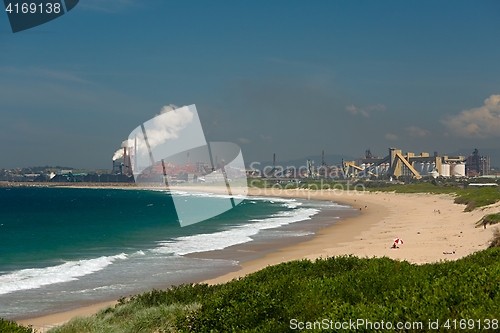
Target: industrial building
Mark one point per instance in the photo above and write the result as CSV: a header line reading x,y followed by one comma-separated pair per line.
x,y
397,164
477,165
122,162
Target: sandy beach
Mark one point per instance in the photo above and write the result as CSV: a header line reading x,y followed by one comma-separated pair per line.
x,y
429,225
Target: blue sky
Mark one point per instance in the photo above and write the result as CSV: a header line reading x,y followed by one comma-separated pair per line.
x,y
285,77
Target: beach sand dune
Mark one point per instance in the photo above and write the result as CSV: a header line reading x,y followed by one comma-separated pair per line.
x,y
429,225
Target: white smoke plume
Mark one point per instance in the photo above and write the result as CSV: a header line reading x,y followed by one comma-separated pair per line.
x,y
167,108
118,154
167,125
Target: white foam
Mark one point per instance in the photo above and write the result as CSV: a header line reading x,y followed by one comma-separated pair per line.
x,y
238,235
33,278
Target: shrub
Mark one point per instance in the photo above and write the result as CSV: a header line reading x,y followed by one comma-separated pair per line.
x,y
337,288
495,241
7,326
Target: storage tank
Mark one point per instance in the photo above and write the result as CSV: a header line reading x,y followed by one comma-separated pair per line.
x,y
445,170
459,170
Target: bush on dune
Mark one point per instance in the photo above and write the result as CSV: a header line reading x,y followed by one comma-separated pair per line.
x,y
495,241
7,326
337,288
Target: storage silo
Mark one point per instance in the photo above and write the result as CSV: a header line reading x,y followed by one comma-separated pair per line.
x,y
420,167
445,170
452,167
427,168
459,170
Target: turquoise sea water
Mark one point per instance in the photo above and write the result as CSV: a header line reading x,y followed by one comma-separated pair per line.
x,y
61,247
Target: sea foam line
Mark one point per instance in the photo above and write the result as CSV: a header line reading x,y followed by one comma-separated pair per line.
x,y
237,235
33,278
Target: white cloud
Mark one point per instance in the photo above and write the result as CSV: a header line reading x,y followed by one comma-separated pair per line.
x,y
243,140
390,136
417,132
482,122
266,138
366,111
354,111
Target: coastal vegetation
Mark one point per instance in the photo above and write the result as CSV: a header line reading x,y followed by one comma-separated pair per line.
x,y
461,294
495,241
471,197
489,219
8,326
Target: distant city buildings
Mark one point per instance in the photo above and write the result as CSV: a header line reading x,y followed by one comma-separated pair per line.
x,y
393,166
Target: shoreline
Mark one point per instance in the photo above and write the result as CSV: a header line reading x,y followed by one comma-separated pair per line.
x,y
427,234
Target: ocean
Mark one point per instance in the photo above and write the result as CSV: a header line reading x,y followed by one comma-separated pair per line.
x,y
63,248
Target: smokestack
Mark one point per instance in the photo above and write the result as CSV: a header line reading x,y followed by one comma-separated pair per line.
x,y
188,160
124,160
135,153
274,160
323,158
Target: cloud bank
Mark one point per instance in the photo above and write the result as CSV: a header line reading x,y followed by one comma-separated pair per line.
x,y
390,136
417,132
477,123
366,111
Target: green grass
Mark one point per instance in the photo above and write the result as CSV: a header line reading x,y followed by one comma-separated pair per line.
x,y
472,198
337,288
130,317
7,326
489,219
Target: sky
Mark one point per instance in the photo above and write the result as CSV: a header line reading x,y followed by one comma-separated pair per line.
x,y
275,76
